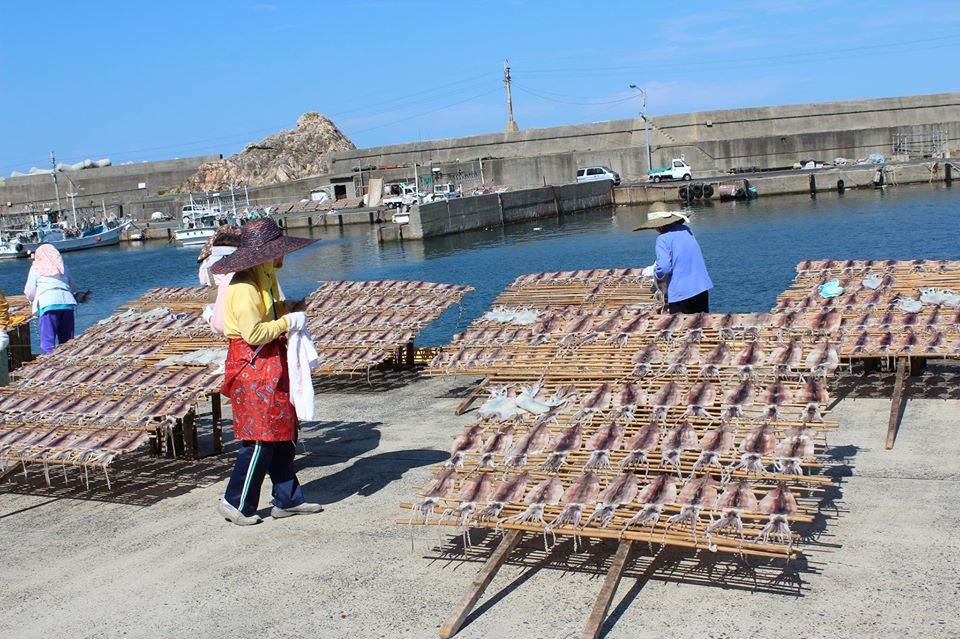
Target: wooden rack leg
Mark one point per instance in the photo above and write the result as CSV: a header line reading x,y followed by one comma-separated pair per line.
x,y
190,435
896,402
470,598
471,398
216,411
607,591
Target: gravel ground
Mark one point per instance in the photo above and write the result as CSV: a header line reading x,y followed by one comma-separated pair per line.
x,y
150,558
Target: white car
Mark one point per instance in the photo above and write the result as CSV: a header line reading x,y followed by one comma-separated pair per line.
x,y
596,174
159,216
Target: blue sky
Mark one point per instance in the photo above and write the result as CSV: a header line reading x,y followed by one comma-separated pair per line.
x,y
153,80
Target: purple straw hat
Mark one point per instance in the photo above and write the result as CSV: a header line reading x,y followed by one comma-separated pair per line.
x,y
261,241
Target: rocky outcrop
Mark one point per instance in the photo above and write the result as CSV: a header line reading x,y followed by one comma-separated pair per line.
x,y
288,155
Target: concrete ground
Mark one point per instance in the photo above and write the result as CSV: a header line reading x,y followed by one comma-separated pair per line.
x,y
150,558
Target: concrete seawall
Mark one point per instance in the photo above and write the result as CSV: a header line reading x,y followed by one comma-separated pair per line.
x,y
797,182
500,209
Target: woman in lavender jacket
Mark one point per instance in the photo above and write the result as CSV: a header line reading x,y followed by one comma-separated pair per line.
x,y
50,288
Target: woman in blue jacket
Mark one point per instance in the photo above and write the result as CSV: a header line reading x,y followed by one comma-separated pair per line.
x,y
679,268
50,288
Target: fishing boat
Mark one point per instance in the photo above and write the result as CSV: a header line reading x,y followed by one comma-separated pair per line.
x,y
11,248
198,224
93,236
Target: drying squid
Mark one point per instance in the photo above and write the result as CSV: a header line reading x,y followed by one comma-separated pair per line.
x,y
439,488
530,443
774,396
467,442
675,441
696,494
475,490
786,356
497,444
790,453
639,445
759,442
687,355
740,397
813,395
597,401
748,359
626,400
667,325
509,490
700,396
697,324
568,441
822,360
500,404
547,493
661,491
825,322
580,493
636,326
779,505
665,397
527,400
607,438
713,444
737,498
714,360
618,493
645,358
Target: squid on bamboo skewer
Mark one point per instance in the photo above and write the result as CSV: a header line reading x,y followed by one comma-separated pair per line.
x,y
575,498
547,493
792,451
497,444
644,359
640,445
620,492
625,401
607,438
660,492
737,498
568,441
713,444
701,396
475,490
533,442
439,488
773,397
698,493
508,490
759,442
779,505
676,440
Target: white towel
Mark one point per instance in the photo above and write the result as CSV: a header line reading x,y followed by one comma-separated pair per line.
x,y
301,357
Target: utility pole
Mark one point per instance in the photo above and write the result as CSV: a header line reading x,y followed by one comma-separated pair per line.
x,y
56,187
511,123
646,125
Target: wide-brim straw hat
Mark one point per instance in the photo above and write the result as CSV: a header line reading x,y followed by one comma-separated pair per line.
x,y
660,215
226,235
261,241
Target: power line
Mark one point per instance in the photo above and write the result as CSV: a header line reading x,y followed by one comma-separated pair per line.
x,y
587,103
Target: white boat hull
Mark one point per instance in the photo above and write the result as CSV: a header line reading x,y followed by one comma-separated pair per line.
x,y
105,238
192,237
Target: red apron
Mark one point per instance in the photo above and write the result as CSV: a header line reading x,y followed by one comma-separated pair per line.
x,y
258,386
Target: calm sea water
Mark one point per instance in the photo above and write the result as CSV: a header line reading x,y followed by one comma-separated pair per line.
x,y
751,250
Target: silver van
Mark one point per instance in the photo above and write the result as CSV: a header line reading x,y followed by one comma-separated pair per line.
x,y
597,173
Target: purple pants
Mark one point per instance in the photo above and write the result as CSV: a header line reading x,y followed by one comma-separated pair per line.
x,y
55,327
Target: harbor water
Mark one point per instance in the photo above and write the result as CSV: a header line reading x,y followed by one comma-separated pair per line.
x,y
751,249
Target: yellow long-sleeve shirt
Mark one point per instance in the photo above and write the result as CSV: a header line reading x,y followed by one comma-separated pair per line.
x,y
250,306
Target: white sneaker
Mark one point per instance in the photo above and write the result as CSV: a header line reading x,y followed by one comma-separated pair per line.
x,y
234,516
305,508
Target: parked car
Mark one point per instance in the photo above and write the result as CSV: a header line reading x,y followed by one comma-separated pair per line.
x,y
159,216
596,174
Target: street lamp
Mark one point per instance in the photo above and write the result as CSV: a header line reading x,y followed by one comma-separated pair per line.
x,y
646,131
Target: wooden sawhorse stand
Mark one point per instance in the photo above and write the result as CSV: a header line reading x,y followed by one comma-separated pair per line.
x,y
496,560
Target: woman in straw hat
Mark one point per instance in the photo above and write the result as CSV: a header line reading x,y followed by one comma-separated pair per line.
x,y
679,266
256,378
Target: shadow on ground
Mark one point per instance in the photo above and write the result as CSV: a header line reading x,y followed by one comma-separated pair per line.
x,y
381,379
369,475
